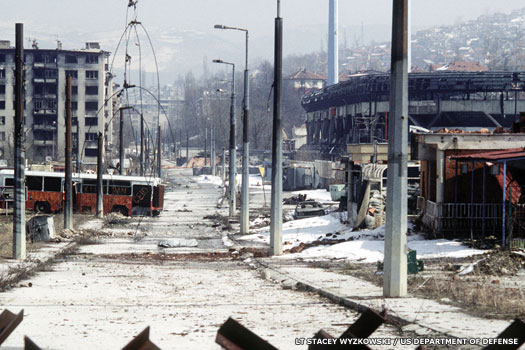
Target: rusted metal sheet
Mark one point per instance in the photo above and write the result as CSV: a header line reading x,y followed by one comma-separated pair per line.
x,y
29,345
234,336
8,322
141,342
516,331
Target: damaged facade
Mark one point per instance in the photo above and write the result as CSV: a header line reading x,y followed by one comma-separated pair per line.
x,y
45,95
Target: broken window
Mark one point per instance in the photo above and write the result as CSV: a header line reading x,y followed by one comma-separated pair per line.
x,y
2,73
91,59
52,184
34,183
2,89
2,104
2,120
2,58
89,186
91,136
91,152
71,59
91,74
74,105
91,121
91,90
2,135
50,73
121,188
9,181
91,105
72,73
74,90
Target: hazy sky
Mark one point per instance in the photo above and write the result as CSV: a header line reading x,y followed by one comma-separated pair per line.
x,y
49,20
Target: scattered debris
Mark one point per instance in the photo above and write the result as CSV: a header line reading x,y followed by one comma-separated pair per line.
x,y
295,199
308,209
177,243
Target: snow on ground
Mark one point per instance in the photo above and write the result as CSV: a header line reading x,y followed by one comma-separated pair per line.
x,y
364,246
255,181
368,251
215,180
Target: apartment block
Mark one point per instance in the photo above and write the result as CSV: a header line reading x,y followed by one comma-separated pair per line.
x,y
45,100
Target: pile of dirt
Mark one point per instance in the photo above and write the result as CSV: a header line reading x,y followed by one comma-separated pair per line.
x,y
502,263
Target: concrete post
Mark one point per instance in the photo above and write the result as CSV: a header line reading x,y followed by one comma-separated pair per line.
x,y
100,163
141,144
223,164
68,183
121,141
333,45
440,176
276,222
395,263
245,192
159,152
233,152
212,141
19,209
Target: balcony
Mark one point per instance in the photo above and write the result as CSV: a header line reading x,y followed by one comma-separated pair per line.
x,y
48,127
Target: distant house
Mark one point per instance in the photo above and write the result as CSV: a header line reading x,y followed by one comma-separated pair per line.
x,y
304,81
458,66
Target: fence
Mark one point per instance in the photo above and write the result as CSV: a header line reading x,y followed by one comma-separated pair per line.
x,y
464,218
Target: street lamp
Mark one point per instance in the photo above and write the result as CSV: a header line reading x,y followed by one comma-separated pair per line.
x,y
232,139
245,191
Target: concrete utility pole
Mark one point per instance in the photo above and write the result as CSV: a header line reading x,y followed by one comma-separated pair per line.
x,y
187,147
141,144
212,141
159,152
276,222
223,164
19,210
245,193
395,263
100,203
233,152
333,44
68,207
205,146
78,148
121,138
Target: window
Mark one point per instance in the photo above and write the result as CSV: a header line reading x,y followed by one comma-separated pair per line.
x,y
2,58
74,90
2,135
2,104
91,152
91,59
71,59
2,89
45,104
53,184
34,183
91,121
91,105
91,74
74,120
50,73
91,90
89,186
2,73
121,188
2,120
91,136
74,105
72,73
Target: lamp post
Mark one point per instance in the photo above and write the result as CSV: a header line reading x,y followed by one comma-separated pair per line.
x,y
232,140
245,191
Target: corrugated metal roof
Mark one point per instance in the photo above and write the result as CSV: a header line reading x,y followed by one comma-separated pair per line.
x,y
501,155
